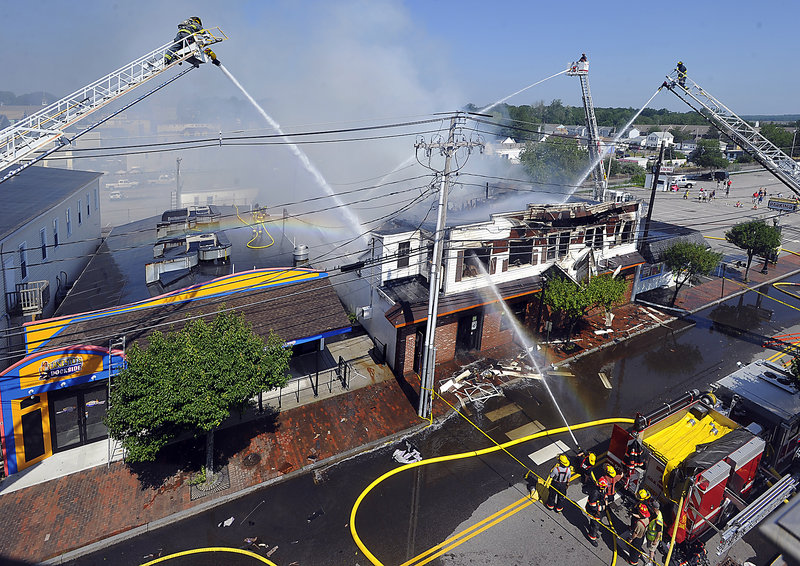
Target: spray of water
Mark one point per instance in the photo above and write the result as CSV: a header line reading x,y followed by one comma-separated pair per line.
x,y
619,135
483,110
513,94
526,343
355,223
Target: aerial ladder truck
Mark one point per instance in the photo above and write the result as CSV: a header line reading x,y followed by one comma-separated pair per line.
x,y
738,130
33,138
580,69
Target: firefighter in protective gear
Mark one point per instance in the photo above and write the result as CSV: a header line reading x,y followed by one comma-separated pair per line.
x,y
559,480
643,496
681,68
634,458
655,529
611,478
640,519
595,507
587,463
186,30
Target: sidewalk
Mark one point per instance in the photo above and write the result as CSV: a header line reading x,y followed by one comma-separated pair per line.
x,y
91,505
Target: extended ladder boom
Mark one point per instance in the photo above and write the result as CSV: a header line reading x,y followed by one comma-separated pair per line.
x,y
581,70
46,126
739,131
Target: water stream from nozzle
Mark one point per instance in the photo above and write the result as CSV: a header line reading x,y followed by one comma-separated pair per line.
x,y
520,333
614,142
352,219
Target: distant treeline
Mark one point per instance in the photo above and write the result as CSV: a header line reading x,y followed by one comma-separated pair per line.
x,y
8,98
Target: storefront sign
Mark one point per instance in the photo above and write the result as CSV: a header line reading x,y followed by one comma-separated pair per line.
x,y
60,367
782,204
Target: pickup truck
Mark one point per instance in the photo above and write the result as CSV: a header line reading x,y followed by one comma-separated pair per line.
x,y
122,184
681,181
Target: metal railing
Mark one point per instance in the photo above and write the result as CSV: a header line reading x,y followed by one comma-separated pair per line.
x,y
336,378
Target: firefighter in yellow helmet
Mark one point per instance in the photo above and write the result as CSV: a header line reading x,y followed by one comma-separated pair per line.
x,y
681,68
558,482
611,477
186,30
585,468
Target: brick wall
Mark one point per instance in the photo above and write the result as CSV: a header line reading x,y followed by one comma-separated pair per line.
x,y
492,335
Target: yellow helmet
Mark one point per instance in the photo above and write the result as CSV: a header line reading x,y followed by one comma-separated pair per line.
x,y
610,470
592,458
564,460
643,495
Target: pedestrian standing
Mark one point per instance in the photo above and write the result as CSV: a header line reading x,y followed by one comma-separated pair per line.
x,y
686,195
729,184
595,506
559,480
760,198
727,189
713,194
655,529
640,519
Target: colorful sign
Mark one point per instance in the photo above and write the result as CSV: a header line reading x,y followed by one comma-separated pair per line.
x,y
40,332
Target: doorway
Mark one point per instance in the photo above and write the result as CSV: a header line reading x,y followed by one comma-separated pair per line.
x,y
76,416
470,328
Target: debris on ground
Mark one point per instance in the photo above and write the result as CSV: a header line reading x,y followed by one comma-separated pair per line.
x,y
406,454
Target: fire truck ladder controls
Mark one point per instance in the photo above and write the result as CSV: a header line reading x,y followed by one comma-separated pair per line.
x,y
580,69
32,134
739,131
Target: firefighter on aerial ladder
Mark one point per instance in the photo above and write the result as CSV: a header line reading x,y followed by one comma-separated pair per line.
x,y
186,30
681,68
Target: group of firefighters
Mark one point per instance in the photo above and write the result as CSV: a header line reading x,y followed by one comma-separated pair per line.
x,y
647,522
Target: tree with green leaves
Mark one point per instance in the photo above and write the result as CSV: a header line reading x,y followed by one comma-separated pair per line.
x,y
755,238
191,380
569,298
779,136
557,160
688,260
708,154
794,371
606,291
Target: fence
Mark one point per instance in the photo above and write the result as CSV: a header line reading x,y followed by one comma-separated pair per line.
x,y
337,378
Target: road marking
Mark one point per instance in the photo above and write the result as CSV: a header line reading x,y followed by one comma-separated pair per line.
x,y
548,452
504,411
604,379
525,430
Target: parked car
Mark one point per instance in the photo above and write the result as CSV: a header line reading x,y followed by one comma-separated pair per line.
x,y
116,195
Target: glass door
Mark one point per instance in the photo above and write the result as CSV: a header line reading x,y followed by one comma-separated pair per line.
x,y
65,420
94,409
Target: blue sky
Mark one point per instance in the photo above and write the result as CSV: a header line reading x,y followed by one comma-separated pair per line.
x,y
373,59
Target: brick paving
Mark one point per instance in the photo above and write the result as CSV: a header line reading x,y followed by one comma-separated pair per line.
x,y
49,519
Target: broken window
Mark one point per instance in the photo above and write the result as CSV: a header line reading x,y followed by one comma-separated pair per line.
x,y
627,233
557,245
403,252
476,261
520,252
594,237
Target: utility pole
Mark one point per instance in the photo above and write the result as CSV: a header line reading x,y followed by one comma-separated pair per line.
x,y
652,198
177,183
447,148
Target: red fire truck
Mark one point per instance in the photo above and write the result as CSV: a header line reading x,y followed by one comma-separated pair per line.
x,y
722,459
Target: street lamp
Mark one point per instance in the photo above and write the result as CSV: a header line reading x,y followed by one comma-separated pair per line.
x,y
794,137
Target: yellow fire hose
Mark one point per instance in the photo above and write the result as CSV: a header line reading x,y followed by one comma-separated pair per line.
x,y
675,526
353,530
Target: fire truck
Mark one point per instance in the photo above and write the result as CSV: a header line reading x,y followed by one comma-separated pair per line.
x,y
719,461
